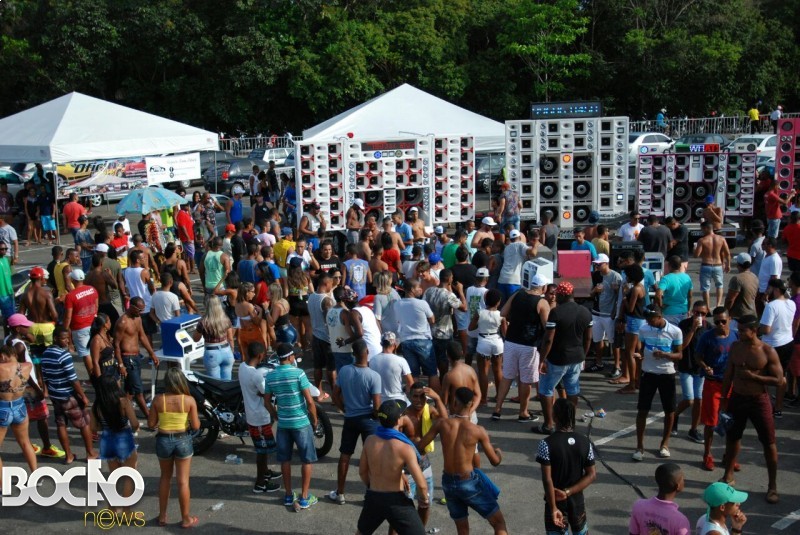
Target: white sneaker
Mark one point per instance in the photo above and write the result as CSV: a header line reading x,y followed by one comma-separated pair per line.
x,y
638,455
663,452
336,497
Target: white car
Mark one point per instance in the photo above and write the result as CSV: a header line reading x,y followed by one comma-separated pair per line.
x,y
762,144
647,143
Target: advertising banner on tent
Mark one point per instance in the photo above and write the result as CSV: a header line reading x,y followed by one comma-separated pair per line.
x,y
174,168
102,177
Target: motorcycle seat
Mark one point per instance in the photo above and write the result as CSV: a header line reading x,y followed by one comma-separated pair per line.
x,y
222,386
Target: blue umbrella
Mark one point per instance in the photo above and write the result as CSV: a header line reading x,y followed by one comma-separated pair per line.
x,y
146,200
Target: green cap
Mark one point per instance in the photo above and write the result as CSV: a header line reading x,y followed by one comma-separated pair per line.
x,y
720,493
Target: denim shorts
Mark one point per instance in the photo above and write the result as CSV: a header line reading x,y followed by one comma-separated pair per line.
x,y
117,446
12,412
81,340
174,446
354,427
692,386
477,492
570,374
632,325
420,356
507,289
303,438
709,273
412,485
342,359
286,334
133,379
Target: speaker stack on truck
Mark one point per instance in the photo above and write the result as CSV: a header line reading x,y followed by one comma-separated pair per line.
x,y
434,174
678,183
568,167
787,155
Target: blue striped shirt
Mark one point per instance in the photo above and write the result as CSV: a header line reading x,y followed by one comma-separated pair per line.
x,y
58,372
287,383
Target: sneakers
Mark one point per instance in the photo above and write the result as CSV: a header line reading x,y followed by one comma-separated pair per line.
x,y
664,452
271,475
777,414
496,416
37,449
527,418
336,497
638,455
266,486
695,436
307,502
616,374
288,499
596,367
708,463
53,451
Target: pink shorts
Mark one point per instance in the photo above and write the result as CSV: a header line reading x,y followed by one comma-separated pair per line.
x,y
520,361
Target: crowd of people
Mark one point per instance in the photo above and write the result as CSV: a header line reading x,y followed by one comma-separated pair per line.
x,y
406,332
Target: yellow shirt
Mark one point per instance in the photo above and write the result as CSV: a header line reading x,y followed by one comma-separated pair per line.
x,y
281,251
753,114
601,246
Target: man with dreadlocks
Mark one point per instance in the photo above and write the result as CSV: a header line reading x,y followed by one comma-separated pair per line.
x,y
567,460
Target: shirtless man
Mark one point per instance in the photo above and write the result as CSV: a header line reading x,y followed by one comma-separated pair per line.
x,y
381,469
388,228
712,213
73,262
487,223
128,336
355,220
713,252
752,367
464,485
138,245
417,225
38,305
416,421
103,281
460,375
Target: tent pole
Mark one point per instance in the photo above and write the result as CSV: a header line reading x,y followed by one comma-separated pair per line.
x,y
57,215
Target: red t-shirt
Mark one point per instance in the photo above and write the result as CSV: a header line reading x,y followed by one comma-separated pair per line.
x,y
391,257
792,236
72,211
773,202
84,302
185,224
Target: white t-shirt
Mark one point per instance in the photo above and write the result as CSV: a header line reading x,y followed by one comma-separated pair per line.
x,y
772,265
409,269
265,238
251,380
475,303
779,315
165,304
392,369
514,256
629,232
659,339
8,235
412,319
372,333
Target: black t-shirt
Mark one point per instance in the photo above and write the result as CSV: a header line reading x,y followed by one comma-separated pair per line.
x,y
272,180
326,265
465,274
238,249
681,236
524,325
141,226
261,214
655,239
570,321
687,363
480,259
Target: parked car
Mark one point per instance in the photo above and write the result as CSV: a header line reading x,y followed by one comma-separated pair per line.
x,y
701,139
27,170
277,154
489,172
226,175
209,158
647,143
222,200
762,144
14,180
288,166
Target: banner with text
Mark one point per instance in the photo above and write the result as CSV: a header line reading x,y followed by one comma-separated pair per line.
x,y
175,168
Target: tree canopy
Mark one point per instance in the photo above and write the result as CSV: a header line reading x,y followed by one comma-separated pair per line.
x,y
283,65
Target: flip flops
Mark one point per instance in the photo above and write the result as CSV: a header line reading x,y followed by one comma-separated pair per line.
x,y
772,496
193,521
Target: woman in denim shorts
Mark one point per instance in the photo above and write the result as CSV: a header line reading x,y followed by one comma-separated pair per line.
x,y
13,378
633,307
174,412
114,418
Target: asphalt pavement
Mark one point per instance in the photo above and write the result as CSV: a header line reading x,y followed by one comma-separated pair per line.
x,y
222,497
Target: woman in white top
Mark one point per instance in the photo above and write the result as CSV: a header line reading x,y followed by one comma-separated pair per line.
x,y
491,327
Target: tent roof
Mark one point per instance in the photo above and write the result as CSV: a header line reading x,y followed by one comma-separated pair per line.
x,y
78,127
406,110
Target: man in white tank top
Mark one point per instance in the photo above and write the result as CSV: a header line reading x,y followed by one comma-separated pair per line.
x,y
140,284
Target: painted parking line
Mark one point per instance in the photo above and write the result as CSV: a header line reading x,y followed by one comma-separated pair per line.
x,y
787,521
626,431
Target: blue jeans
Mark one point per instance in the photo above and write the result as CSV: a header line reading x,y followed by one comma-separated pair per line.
x,y
773,227
570,373
419,354
692,386
342,359
514,220
286,334
303,438
218,363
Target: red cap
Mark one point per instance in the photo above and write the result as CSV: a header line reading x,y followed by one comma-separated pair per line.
x,y
564,288
230,228
38,273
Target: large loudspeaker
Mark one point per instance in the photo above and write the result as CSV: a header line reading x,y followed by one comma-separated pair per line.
x,y
320,179
787,155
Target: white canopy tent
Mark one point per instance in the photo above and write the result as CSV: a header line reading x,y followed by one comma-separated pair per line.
x,y
78,127
408,110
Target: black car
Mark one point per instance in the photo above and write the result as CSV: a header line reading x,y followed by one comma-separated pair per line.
x,y
489,172
209,157
228,174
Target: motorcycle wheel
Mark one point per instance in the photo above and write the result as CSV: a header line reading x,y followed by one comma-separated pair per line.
x,y
323,434
204,437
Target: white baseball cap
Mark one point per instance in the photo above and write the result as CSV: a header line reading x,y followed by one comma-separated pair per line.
x,y
101,248
413,209
601,259
513,234
359,203
482,272
77,275
238,190
438,229
488,221
537,281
